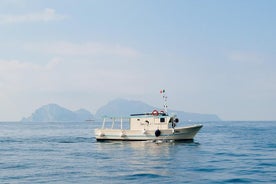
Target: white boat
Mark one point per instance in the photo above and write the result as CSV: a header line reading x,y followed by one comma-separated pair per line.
x,y
157,125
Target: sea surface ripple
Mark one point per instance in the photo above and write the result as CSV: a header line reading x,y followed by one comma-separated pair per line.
x,y
222,152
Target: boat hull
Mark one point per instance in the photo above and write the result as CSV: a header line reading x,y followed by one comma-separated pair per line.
x,y
177,134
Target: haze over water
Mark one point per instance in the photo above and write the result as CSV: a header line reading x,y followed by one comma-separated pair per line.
x,y
212,57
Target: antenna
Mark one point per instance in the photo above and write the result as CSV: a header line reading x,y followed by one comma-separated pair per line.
x,y
163,92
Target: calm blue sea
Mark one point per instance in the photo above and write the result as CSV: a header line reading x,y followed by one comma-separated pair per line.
x,y
222,152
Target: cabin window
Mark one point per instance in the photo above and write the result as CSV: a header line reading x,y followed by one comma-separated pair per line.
x,y
138,119
162,120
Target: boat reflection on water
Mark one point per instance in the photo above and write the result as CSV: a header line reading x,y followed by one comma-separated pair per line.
x,y
154,147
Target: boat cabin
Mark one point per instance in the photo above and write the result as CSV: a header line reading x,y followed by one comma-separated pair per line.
x,y
152,121
146,121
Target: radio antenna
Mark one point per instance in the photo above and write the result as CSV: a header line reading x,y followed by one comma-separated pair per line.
x,y
163,92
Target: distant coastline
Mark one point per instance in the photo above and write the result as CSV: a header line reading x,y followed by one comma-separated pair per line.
x,y
117,107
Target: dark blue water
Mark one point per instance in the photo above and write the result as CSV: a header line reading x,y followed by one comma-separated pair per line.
x,y
222,152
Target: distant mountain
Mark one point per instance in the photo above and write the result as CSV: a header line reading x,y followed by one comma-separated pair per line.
x,y
54,113
122,107
117,108
187,116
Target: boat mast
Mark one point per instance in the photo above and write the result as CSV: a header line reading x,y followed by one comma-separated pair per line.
x,y
163,92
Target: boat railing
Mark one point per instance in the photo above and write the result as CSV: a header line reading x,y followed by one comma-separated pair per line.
x,y
115,122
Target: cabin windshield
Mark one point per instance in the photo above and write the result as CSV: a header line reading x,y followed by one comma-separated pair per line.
x,y
116,123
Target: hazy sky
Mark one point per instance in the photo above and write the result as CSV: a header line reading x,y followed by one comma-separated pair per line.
x,y
211,56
